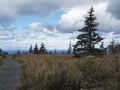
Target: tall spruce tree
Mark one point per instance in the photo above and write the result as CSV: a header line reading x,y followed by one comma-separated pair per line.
x,y
42,49
88,37
30,49
1,51
69,49
36,51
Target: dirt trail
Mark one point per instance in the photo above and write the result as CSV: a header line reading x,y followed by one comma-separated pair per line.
x,y
10,73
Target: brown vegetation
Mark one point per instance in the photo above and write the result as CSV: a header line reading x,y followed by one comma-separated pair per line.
x,y
1,59
63,72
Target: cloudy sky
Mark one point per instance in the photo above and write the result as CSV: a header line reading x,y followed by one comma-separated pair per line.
x,y
54,22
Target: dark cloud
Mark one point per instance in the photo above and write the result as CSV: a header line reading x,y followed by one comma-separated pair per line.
x,y
41,8
63,29
73,3
12,9
113,8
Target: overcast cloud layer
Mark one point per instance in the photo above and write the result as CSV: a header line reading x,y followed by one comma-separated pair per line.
x,y
106,11
11,9
113,8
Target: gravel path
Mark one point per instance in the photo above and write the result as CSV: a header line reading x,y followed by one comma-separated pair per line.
x,y
10,73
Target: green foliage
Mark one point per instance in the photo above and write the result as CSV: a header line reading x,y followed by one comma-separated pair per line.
x,y
36,51
1,51
114,48
69,49
18,52
30,49
42,49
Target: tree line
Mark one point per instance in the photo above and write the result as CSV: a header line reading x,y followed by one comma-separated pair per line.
x,y
87,39
42,50
36,50
114,47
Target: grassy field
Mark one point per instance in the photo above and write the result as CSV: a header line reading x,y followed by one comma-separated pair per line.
x,y
63,72
1,61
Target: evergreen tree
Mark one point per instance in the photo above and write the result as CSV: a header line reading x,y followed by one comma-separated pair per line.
x,y
30,49
36,51
117,47
69,49
55,51
114,47
62,52
18,52
1,51
50,52
75,50
102,48
42,49
88,37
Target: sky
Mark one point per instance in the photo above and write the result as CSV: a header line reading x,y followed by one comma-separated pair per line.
x,y
54,22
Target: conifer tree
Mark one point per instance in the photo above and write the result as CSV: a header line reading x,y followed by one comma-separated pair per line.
x,y
30,49
69,49
36,51
42,49
55,51
1,51
112,46
88,37
18,52
102,47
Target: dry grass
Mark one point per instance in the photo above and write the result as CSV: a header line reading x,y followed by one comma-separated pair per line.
x,y
1,60
63,72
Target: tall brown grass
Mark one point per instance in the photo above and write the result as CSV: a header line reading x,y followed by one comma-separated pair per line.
x,y
1,59
63,72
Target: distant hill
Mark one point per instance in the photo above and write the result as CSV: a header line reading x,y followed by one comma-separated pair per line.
x,y
26,51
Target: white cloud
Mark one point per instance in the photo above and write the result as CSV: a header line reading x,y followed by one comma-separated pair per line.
x,y
50,33
10,27
72,20
107,23
35,26
40,28
5,35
